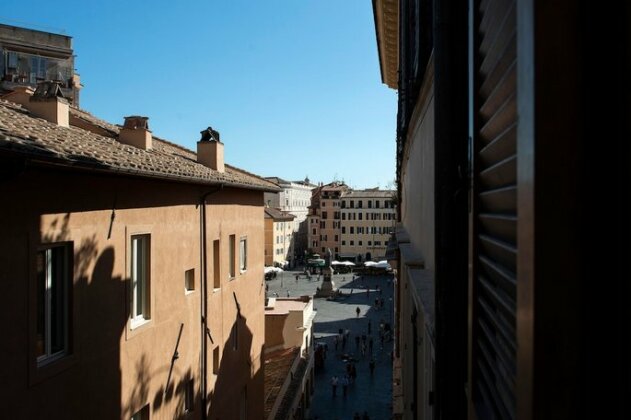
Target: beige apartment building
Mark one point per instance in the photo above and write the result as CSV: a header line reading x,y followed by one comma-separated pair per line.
x,y
368,217
325,218
132,270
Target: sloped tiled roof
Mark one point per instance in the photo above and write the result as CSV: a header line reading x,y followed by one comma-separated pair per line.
x,y
278,214
41,141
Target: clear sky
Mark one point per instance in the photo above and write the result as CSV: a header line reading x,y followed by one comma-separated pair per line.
x,y
293,86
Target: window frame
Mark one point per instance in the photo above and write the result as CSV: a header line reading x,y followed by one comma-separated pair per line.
x,y
243,254
136,319
67,275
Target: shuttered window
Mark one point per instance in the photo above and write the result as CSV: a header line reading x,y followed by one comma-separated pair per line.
x,y
494,217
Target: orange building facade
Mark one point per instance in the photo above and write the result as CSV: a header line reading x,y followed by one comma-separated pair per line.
x,y
134,271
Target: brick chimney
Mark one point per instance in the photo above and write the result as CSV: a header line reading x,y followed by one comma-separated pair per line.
x,y
135,132
48,102
210,150
19,95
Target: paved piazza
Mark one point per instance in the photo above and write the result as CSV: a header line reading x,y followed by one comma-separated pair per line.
x,y
367,393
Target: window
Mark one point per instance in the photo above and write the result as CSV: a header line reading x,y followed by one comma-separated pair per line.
x,y
216,265
216,360
352,243
231,251
359,204
54,277
352,230
360,216
343,229
140,278
352,204
359,243
189,280
376,204
369,243
143,414
189,396
324,215
243,254
343,242
343,216
336,238
313,231
369,204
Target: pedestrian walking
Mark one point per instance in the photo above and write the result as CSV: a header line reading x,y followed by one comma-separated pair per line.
x,y
343,342
369,326
344,385
370,345
334,385
288,293
368,292
357,311
371,365
335,341
357,342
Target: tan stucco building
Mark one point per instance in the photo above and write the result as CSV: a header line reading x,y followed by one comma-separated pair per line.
x,y
324,218
132,270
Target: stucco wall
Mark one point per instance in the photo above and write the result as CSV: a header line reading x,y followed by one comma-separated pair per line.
x,y
417,211
418,219
123,369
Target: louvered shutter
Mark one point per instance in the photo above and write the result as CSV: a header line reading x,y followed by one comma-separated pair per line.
x,y
494,210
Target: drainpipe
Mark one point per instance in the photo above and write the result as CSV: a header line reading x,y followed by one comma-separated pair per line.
x,y
204,295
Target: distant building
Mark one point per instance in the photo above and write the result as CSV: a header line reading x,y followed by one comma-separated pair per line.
x,y
325,218
29,56
295,198
131,268
278,236
289,357
368,219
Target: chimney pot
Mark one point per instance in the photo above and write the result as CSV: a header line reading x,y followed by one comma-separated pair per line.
x,y
48,102
135,132
210,150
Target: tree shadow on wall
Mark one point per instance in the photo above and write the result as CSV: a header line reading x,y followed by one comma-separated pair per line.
x,y
96,321
229,398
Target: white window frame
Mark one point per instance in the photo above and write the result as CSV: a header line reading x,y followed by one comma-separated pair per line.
x,y
243,254
140,279
50,283
232,243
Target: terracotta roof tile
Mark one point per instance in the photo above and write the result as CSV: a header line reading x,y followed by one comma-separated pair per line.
x,y
23,134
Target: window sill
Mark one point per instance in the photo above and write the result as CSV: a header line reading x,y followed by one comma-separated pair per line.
x,y
137,327
45,369
217,289
189,292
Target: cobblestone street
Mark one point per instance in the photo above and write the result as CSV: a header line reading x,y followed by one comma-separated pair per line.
x,y
370,394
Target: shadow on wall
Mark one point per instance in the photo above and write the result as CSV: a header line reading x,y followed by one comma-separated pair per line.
x,y
97,318
228,399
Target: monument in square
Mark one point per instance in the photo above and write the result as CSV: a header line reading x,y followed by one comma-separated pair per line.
x,y
327,288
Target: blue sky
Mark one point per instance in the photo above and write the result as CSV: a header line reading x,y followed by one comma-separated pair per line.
x,y
293,86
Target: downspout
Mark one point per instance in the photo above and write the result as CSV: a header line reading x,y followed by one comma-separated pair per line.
x,y
204,298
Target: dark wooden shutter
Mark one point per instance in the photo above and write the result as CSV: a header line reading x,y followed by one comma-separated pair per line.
x,y
494,210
